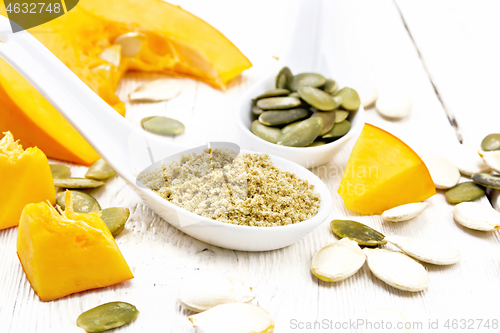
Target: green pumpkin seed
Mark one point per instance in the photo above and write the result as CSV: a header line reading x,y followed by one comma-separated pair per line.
x,y
306,79
491,142
289,127
264,132
487,180
294,94
256,111
338,130
328,120
59,171
283,78
107,316
77,183
302,134
273,118
115,218
82,202
100,171
278,103
341,115
273,93
162,125
317,144
350,99
359,232
463,192
330,86
318,98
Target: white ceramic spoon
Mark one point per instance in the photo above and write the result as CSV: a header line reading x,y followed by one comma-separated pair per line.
x,y
128,149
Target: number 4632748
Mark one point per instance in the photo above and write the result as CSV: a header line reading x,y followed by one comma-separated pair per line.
x,y
33,8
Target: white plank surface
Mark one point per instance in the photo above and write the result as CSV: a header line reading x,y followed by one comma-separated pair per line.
x,y
368,41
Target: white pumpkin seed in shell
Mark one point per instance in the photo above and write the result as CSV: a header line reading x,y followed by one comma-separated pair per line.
x,y
426,250
367,93
157,91
393,105
404,212
205,292
338,261
397,269
131,43
475,216
444,173
467,160
492,160
390,318
233,318
112,54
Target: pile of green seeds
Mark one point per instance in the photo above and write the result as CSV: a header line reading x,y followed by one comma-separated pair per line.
x,y
304,110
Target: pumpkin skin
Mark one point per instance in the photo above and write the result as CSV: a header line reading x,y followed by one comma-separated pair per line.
x,y
25,177
68,253
383,173
186,45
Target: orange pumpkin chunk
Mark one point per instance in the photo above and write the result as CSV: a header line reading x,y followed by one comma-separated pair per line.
x,y
25,178
382,173
68,253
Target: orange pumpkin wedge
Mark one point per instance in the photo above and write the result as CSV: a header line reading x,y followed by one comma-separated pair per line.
x,y
68,253
382,173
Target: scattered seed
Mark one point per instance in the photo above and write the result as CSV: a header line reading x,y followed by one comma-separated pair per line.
x,y
306,79
162,125
338,130
426,250
264,132
77,183
205,292
302,134
367,93
318,98
82,202
112,54
359,232
328,120
341,115
330,86
444,173
491,159
273,93
487,180
131,43
467,160
397,269
337,261
278,103
273,118
60,171
233,318
467,191
284,78
404,212
350,99
100,171
115,218
156,91
107,316
393,105
491,142
475,216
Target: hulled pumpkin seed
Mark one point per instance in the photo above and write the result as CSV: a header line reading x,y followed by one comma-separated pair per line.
x,y
256,111
463,192
273,118
294,94
491,142
338,130
100,171
350,99
289,127
317,144
359,232
107,316
341,115
475,216
264,132
162,125
328,120
426,250
60,171
82,202
330,86
306,79
303,134
131,43
487,180
77,183
283,78
318,98
115,218
278,103
273,93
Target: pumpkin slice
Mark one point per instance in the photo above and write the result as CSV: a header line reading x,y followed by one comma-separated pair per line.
x,y
25,178
68,253
383,173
